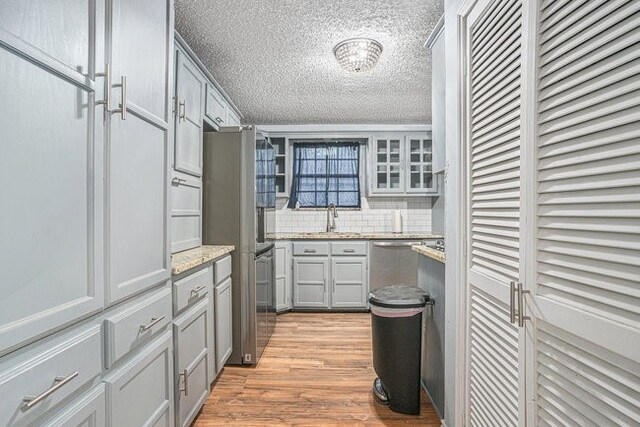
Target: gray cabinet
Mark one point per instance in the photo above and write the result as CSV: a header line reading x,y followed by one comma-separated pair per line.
x,y
330,274
51,173
216,110
87,411
223,322
140,393
137,196
310,278
438,98
283,276
402,164
189,105
190,334
349,282
50,372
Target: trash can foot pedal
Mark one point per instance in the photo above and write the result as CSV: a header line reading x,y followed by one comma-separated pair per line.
x,y
379,393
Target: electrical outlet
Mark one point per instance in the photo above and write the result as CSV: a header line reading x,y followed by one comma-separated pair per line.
x,y
247,357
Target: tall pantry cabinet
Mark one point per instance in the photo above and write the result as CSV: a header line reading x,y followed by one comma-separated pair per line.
x,y
551,128
84,228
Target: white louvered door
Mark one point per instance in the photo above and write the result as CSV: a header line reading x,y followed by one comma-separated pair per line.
x,y
494,344
583,340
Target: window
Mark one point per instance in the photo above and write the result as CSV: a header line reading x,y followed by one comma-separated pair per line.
x,y
326,173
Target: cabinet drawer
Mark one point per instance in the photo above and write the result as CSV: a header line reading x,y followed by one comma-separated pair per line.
x,y
135,324
223,269
49,373
88,410
349,248
216,109
190,289
141,392
311,248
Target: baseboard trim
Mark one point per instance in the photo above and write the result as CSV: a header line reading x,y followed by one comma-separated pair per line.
x,y
424,387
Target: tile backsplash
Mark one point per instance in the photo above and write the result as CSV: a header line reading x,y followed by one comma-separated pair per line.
x,y
376,215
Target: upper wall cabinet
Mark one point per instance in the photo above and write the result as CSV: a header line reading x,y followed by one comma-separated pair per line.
x,y
189,106
401,165
51,174
138,163
216,107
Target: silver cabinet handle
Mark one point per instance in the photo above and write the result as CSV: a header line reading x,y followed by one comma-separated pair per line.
x,y
182,110
334,285
219,120
521,316
394,244
198,289
186,384
309,251
58,383
512,302
178,181
107,87
349,251
123,97
154,321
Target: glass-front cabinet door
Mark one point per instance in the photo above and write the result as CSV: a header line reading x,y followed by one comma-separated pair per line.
x,y
420,163
388,152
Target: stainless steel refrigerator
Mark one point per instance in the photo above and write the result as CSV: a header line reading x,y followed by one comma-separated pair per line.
x,y
239,197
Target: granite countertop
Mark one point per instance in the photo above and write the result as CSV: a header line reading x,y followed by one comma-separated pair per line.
x,y
346,235
429,252
186,260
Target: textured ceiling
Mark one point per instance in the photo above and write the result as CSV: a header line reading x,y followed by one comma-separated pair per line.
x,y
274,58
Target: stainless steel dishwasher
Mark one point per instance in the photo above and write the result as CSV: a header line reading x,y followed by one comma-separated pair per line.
x,y
392,262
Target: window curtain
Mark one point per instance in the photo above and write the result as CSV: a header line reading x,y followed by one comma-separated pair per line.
x,y
326,173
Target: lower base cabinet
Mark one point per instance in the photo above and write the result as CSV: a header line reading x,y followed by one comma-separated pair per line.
x,y
87,411
190,334
224,322
310,277
140,393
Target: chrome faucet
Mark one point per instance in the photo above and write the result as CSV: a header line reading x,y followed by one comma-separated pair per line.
x,y
331,219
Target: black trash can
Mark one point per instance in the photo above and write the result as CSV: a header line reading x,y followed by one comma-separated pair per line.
x,y
396,321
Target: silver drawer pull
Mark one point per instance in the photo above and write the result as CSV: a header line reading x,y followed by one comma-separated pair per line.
x,y
154,321
349,251
219,120
309,251
178,181
58,382
198,289
123,98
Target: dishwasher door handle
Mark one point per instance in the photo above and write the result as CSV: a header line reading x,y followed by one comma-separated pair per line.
x,y
395,244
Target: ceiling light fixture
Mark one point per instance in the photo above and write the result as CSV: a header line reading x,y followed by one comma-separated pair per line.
x,y
357,55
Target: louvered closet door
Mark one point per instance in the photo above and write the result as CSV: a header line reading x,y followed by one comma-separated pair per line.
x,y
495,389
586,293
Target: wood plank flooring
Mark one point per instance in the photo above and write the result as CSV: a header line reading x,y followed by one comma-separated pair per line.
x,y
316,371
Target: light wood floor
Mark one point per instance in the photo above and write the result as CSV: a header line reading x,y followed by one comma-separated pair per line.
x,y
317,370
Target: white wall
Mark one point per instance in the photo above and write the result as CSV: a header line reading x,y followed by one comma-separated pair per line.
x,y
376,215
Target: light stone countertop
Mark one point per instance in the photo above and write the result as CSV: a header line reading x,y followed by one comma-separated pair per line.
x,y
429,252
192,258
346,235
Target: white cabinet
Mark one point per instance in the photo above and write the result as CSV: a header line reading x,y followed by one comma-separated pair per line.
x,y
190,334
233,119
52,173
140,393
438,98
283,276
402,164
349,282
310,278
189,106
223,322
138,156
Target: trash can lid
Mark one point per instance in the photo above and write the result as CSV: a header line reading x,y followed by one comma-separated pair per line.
x,y
399,296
